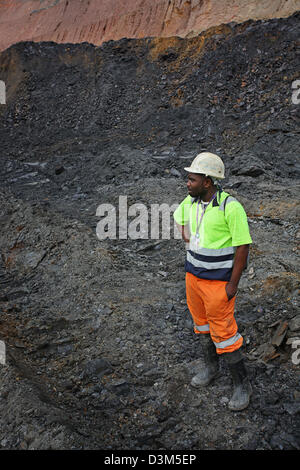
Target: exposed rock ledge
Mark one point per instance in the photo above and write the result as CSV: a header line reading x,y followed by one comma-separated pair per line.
x,y
97,21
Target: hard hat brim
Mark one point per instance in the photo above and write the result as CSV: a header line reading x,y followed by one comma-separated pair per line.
x,y
188,169
192,170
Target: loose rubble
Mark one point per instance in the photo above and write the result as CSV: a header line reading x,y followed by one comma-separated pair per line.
x,y
100,348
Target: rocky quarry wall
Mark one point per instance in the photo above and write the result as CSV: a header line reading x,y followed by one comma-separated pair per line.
x,y
97,21
100,349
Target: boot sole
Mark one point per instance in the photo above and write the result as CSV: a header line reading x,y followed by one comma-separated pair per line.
x,y
231,408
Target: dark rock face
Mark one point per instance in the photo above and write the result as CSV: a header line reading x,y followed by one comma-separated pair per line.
x,y
99,343
231,92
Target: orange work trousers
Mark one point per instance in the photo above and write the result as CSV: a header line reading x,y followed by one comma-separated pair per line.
x,y
213,313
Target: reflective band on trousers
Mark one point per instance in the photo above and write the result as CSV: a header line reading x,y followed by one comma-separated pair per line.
x,y
228,342
202,327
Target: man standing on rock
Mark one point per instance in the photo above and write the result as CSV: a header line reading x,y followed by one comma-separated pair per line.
x,y
214,224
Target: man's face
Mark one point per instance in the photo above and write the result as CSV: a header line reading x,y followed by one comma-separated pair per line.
x,y
197,185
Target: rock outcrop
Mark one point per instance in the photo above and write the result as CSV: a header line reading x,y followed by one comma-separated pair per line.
x,y
96,22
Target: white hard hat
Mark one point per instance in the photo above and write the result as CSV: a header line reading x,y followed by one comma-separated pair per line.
x,y
207,164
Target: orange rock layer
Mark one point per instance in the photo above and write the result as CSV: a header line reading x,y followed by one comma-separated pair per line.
x,y
97,21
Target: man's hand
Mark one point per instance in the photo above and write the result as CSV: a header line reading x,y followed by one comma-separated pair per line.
x,y
240,261
231,290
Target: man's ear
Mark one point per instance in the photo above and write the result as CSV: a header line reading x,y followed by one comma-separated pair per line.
x,y
208,182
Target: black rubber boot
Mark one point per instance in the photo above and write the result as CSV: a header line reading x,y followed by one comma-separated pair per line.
x,y
210,367
242,389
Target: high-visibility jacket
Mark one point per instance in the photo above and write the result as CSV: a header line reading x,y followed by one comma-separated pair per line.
x,y
215,232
